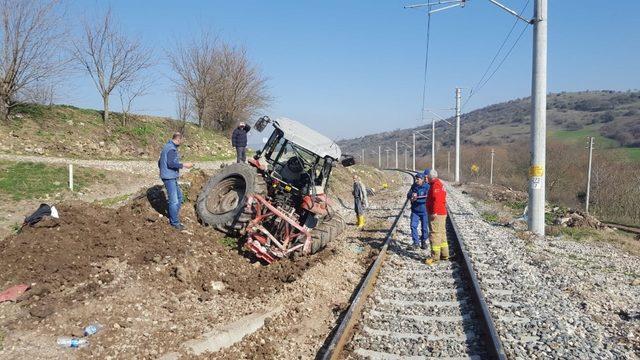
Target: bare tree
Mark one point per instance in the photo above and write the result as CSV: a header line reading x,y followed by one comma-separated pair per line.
x,y
109,57
184,109
31,36
195,67
240,91
129,91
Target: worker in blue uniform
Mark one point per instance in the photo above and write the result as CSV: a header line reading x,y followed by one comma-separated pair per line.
x,y
418,197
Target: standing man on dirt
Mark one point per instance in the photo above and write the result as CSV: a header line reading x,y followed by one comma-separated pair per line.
x,y
437,208
418,197
170,165
239,141
360,200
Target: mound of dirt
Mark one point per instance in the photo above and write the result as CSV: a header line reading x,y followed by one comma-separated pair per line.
x,y
76,257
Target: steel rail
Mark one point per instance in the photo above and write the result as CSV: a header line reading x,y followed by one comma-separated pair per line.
x,y
496,350
345,329
343,333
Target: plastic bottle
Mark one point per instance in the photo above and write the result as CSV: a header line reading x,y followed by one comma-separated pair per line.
x,y
70,342
92,329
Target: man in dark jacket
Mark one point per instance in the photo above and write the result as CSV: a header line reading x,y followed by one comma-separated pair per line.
x,y
239,141
418,197
170,165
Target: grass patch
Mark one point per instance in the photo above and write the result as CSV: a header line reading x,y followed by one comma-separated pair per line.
x,y
31,110
580,234
229,242
113,200
26,180
489,217
574,136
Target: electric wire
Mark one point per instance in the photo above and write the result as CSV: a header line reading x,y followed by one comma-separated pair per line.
x,y
426,64
482,82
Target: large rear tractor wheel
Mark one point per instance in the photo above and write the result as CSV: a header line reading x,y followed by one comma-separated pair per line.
x,y
221,203
330,228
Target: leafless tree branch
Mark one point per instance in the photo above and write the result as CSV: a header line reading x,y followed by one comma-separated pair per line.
x,y
109,57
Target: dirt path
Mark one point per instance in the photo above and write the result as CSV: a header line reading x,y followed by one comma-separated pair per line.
x,y
130,166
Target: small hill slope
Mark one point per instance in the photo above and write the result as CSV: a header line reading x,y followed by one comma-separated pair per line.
x,y
67,131
612,116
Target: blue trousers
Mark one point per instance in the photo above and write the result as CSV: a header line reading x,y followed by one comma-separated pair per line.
x,y
174,197
415,219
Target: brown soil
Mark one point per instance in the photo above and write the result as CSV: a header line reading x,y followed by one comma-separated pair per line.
x,y
68,259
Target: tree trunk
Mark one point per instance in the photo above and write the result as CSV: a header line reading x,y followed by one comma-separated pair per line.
x,y
4,108
105,108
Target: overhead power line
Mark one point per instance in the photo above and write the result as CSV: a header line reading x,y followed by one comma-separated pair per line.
x,y
482,82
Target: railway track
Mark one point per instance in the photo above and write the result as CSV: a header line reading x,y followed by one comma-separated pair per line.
x,y
405,309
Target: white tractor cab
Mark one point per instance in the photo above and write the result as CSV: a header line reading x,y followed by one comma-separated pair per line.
x,y
277,202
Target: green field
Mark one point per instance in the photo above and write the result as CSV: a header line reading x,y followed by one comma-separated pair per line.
x,y
26,180
582,135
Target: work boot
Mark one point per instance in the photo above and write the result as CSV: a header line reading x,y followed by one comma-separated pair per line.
x,y
431,261
179,227
423,245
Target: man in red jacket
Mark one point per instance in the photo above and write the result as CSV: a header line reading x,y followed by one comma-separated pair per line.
x,y
437,210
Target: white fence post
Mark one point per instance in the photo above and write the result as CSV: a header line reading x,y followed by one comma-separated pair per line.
x,y
71,177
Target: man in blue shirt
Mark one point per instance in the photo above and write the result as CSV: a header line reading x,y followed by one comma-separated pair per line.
x,y
170,165
418,197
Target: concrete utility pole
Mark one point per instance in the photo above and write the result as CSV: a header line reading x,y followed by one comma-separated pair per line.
x,y
387,150
405,158
538,119
379,158
414,152
449,162
491,176
396,155
457,173
586,206
433,144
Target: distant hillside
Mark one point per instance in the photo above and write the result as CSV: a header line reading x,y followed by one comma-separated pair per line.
x,y
62,130
612,116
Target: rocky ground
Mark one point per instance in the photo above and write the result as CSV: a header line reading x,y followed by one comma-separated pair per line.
x,y
156,290
571,299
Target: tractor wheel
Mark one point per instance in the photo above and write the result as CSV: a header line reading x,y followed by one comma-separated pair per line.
x,y
330,227
221,203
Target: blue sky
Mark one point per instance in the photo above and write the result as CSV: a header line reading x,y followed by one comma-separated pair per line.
x,y
349,68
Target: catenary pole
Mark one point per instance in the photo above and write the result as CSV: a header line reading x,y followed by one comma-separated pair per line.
x,y
433,144
363,163
586,206
449,162
537,186
491,175
396,155
457,167
379,158
414,152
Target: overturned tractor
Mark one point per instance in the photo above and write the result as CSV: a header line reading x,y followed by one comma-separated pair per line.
x,y
277,203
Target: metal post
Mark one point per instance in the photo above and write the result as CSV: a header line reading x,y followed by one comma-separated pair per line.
x,y
414,151
405,158
491,176
433,144
387,150
449,162
586,206
379,158
71,177
363,163
457,174
396,155
539,120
